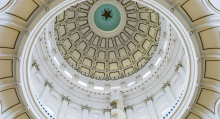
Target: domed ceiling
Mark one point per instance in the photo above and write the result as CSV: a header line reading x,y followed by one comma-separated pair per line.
x,y
107,39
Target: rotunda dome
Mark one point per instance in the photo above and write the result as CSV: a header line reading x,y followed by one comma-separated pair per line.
x,y
144,59
107,47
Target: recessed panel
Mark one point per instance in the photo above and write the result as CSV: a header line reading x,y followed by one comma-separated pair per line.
x,y
76,54
101,55
122,52
82,45
75,37
126,62
113,66
87,62
100,66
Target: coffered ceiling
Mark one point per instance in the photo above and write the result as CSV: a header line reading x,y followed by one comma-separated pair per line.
x,y
104,57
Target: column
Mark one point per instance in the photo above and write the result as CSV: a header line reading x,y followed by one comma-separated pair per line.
x,y
182,73
75,78
63,108
1,109
107,113
129,112
151,108
139,79
33,70
107,87
46,92
123,85
169,93
91,85
85,112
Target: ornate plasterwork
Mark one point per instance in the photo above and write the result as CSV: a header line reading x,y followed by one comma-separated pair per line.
x,y
166,58
107,58
25,58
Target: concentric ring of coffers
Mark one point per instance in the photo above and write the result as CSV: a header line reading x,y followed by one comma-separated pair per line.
x,y
107,58
164,107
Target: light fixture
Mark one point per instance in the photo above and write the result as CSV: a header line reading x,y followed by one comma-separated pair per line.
x,y
115,87
165,44
49,45
157,61
82,83
56,60
98,88
132,83
145,75
67,73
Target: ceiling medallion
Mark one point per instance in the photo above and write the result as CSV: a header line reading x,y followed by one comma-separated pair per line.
x,y
107,53
107,17
107,14
115,22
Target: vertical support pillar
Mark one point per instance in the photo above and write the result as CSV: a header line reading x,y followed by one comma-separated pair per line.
x,y
123,85
182,73
139,79
107,87
33,70
63,108
168,92
91,85
46,92
150,104
75,78
129,112
107,113
85,112
1,109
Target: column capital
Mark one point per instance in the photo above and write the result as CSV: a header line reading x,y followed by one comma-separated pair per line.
x,y
36,66
149,99
178,66
86,107
107,85
165,85
107,110
128,107
66,98
49,85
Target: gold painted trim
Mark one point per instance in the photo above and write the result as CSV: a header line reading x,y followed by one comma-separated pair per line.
x,y
204,106
22,114
201,37
14,104
12,75
193,114
28,16
189,15
15,40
